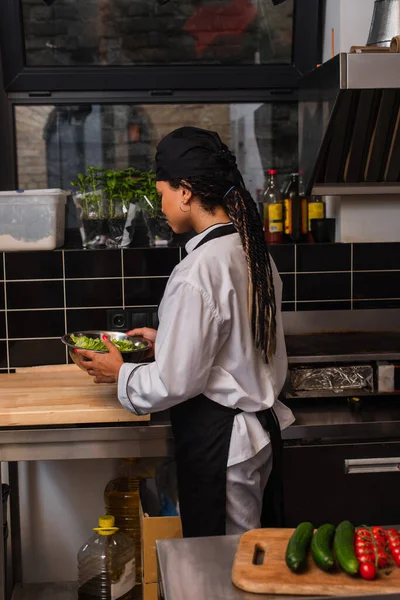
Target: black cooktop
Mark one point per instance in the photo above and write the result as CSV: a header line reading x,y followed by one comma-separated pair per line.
x,y
380,345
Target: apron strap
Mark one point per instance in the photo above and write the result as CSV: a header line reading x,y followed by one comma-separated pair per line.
x,y
273,513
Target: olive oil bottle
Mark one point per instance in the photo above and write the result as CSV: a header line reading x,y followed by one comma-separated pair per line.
x,y
106,564
122,500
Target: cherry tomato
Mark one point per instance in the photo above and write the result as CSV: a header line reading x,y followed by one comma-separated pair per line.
x,y
392,532
394,543
383,559
369,557
397,559
363,531
395,551
365,548
378,531
368,570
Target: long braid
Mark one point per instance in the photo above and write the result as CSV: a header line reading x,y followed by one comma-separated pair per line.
x,y
242,210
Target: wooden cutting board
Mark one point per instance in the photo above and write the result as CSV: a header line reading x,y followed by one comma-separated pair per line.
x,y
59,395
274,577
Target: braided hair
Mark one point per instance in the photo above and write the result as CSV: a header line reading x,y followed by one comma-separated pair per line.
x,y
227,190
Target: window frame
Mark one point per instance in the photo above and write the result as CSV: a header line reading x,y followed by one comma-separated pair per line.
x,y
9,177
18,77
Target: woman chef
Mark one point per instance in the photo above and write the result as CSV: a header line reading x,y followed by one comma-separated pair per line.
x,y
220,358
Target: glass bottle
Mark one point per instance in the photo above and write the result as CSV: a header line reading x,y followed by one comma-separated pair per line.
x,y
316,209
273,210
106,564
292,210
122,501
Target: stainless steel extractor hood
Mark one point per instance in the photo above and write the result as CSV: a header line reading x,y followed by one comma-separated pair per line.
x,y
349,125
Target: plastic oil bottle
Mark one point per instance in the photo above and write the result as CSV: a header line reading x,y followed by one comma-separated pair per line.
x,y
122,500
106,564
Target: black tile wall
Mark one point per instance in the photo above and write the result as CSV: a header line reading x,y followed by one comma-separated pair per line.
x,y
283,257
288,287
35,294
2,324
86,318
26,353
288,306
323,286
3,354
323,257
151,262
379,257
35,323
77,287
34,265
84,264
376,284
335,305
144,291
96,292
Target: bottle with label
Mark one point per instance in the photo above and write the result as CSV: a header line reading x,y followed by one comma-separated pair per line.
x,y
292,210
122,500
316,209
106,564
304,209
273,210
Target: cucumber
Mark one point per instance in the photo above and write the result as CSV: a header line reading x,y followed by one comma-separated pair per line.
x,y
343,544
296,551
321,545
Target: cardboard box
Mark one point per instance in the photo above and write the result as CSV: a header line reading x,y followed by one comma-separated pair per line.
x,y
152,529
150,591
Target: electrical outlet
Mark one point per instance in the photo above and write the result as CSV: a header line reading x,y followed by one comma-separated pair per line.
x,y
118,320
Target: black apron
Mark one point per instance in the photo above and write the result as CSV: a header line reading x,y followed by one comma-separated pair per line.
x,y
202,430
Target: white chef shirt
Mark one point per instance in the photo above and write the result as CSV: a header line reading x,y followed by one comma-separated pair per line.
x,y
205,346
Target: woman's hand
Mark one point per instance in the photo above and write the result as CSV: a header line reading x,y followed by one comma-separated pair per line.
x,y
103,367
148,334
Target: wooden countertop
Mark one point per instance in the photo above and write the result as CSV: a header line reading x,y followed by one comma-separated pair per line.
x,y
59,395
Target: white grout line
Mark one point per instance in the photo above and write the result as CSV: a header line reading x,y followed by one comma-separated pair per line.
x,y
167,276
65,302
352,276
5,311
122,280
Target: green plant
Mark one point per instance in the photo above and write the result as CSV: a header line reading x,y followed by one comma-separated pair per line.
x,y
148,197
91,198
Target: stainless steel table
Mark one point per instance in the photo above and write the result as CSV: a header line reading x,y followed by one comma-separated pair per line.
x,y
200,569
145,439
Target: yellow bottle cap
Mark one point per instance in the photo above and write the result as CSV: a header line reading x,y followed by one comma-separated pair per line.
x,y
106,525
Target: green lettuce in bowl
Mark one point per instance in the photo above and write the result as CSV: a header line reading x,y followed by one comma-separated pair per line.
x,y
133,349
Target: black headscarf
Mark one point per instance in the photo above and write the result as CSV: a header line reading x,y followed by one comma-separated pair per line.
x,y
191,152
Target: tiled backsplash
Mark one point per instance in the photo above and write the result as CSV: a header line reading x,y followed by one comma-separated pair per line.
x,y
46,294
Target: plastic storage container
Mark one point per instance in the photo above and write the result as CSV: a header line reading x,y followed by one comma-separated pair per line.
x,y
106,564
32,219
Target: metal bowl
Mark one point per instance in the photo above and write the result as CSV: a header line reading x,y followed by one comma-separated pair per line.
x,y
130,356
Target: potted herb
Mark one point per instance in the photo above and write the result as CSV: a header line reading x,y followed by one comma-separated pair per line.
x,y
120,193
158,230
90,204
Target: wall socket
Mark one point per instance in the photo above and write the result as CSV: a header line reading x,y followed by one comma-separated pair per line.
x,y
120,319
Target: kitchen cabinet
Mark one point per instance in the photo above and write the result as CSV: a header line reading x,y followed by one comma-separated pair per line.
x,y
333,482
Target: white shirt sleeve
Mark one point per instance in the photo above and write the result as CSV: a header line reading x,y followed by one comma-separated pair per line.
x,y
188,338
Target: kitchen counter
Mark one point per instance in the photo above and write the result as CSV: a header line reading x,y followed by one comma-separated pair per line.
x,y
200,569
31,429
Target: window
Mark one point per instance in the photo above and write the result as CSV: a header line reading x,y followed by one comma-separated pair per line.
x,y
135,32
56,142
109,45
